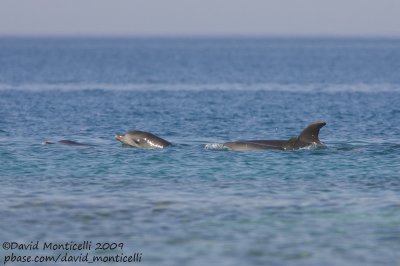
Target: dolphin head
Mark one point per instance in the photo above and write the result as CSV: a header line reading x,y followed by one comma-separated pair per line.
x,y
142,139
128,139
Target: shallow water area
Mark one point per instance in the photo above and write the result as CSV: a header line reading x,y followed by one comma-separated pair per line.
x,y
195,203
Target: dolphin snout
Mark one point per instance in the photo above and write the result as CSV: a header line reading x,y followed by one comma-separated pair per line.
x,y
118,137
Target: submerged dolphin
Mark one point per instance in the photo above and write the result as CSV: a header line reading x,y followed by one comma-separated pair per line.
x,y
66,142
307,137
142,139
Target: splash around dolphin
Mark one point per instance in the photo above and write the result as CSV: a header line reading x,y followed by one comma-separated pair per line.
x,y
308,137
142,139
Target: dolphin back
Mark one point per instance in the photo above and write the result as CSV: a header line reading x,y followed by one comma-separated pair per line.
x,y
72,143
247,145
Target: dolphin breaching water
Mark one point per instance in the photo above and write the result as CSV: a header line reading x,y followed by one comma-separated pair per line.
x,y
308,137
142,139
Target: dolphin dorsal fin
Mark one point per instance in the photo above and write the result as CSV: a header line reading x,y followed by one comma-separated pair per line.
x,y
310,133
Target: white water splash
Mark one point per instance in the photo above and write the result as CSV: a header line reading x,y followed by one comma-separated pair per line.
x,y
314,147
215,146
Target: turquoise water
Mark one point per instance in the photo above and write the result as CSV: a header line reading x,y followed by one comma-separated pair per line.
x,y
193,203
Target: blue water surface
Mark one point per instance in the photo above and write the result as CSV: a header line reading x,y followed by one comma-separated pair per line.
x,y
194,203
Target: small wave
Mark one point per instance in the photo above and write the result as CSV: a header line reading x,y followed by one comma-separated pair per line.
x,y
215,146
314,147
313,87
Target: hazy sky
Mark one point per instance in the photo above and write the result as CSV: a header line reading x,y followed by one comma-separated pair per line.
x,y
200,17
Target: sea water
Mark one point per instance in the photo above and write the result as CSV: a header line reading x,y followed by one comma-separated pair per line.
x,y
196,203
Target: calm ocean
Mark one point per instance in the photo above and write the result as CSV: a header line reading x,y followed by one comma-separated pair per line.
x,y
194,203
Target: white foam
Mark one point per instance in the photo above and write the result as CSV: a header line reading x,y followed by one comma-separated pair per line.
x,y
215,146
314,147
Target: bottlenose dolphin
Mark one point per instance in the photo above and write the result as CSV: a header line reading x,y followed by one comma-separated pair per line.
x,y
309,136
142,139
66,142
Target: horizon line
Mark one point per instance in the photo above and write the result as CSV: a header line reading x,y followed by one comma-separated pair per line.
x,y
200,36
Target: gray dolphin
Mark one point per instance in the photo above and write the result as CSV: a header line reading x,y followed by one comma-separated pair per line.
x,y
66,142
307,137
142,139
